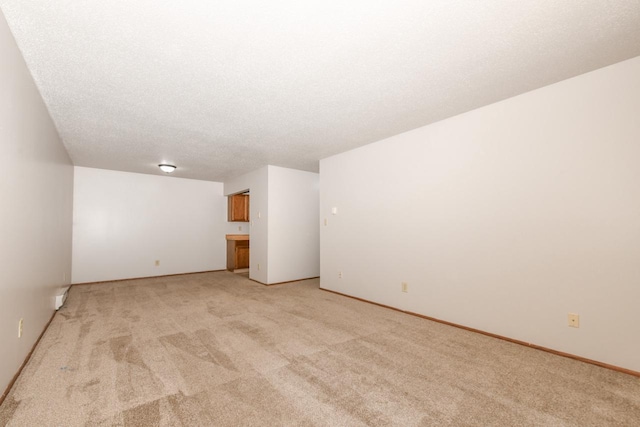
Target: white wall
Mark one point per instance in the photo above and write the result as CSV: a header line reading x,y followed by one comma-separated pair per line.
x,y
36,187
284,223
124,222
503,219
294,238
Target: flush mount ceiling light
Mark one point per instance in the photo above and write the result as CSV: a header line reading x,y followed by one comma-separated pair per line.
x,y
166,168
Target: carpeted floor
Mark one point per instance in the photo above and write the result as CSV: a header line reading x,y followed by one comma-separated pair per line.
x,y
216,349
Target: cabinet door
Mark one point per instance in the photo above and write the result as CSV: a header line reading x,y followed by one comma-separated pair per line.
x,y
242,257
238,208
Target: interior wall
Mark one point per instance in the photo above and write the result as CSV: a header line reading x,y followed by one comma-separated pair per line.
x,y
294,238
257,183
124,222
504,219
36,188
283,222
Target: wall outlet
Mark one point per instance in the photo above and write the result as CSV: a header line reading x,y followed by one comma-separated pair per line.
x,y
326,222
157,263
574,320
20,322
404,286
339,274
239,228
258,266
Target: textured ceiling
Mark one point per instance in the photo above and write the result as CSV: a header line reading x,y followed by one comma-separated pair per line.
x,y
221,88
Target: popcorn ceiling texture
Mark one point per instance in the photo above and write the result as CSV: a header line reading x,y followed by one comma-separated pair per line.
x,y
222,88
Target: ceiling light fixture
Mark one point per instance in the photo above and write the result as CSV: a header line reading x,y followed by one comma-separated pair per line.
x,y
166,168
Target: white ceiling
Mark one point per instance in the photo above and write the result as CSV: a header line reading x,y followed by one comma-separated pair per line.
x,y
220,88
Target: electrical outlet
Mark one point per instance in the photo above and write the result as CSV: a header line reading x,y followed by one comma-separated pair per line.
x,y
405,287
258,266
326,222
239,228
339,274
20,322
157,263
574,320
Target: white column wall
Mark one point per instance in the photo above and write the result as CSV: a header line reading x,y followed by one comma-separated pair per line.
x,y
284,223
294,238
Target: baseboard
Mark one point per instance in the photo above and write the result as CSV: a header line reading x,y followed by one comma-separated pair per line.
x,y
26,360
145,277
478,331
284,283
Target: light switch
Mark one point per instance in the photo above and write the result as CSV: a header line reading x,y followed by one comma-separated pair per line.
x,y
334,210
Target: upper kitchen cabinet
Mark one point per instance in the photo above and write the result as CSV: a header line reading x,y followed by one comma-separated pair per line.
x,y
238,205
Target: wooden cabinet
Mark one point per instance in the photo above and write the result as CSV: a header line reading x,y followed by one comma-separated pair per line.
x,y
242,254
238,208
237,251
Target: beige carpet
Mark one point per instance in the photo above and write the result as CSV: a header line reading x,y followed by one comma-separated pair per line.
x,y
216,349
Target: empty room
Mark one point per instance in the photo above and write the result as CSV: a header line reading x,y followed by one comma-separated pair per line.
x,y
319,213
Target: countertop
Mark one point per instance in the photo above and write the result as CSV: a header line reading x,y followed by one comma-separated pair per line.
x,y
237,237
